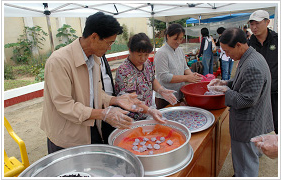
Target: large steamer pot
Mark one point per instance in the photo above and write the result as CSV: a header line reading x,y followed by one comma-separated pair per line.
x,y
87,161
194,96
163,164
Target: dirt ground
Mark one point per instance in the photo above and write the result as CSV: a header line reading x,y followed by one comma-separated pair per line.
x,y
25,119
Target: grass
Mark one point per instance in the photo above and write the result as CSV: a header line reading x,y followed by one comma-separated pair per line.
x,y
12,84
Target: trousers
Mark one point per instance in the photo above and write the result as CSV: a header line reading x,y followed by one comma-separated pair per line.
x,y
245,158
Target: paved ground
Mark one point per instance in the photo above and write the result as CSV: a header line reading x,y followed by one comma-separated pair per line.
x,y
25,119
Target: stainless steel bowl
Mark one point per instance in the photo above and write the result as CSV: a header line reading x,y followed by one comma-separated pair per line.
x,y
163,164
89,160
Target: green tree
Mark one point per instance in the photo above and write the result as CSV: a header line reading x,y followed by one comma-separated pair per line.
x,y
160,25
67,32
125,33
22,49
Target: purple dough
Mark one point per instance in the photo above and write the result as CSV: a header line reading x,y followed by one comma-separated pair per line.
x,y
169,142
156,146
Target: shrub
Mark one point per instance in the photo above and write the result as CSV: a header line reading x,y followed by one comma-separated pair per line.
x,y
22,49
22,69
159,42
8,72
67,32
40,75
125,33
117,47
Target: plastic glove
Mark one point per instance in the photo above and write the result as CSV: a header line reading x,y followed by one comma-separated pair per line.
x,y
217,82
117,117
268,143
129,102
218,88
156,114
168,95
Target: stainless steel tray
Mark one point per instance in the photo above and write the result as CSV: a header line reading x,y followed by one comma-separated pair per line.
x,y
97,160
195,119
163,164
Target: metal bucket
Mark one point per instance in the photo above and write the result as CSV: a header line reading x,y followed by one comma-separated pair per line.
x,y
163,164
87,161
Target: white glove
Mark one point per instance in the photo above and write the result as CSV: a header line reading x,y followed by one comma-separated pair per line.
x,y
117,117
218,88
217,82
156,114
168,95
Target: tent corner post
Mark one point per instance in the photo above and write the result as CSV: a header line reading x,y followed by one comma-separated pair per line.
x,y
50,32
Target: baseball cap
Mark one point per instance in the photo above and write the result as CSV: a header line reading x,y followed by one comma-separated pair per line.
x,y
259,15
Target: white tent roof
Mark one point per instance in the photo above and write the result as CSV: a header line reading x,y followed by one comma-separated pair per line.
x,y
165,11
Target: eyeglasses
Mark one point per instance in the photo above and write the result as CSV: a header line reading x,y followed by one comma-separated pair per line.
x,y
110,44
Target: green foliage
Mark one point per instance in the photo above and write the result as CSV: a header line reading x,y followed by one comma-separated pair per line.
x,y
117,47
125,33
182,22
8,71
159,42
37,65
37,35
159,25
12,84
23,69
22,49
67,32
40,75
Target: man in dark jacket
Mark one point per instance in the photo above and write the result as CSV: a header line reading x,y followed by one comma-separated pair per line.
x,y
248,96
265,41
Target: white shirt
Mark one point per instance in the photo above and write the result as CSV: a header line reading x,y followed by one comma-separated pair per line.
x,y
223,55
90,64
106,79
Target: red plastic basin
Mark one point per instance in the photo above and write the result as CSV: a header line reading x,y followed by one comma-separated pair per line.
x,y
151,59
194,96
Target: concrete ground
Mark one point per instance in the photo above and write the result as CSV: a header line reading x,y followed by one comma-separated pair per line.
x,y
25,119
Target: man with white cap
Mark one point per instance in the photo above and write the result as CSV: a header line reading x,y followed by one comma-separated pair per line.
x,y
265,41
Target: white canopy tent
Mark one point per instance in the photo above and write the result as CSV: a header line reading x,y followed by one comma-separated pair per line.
x,y
162,10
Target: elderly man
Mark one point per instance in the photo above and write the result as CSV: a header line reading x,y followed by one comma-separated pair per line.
x,y
73,96
265,41
248,96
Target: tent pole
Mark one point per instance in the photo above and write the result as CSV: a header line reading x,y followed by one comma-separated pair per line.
x,y
47,13
50,32
186,34
199,31
153,19
154,41
275,19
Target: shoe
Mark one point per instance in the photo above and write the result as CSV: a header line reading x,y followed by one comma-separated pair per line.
x,y
233,175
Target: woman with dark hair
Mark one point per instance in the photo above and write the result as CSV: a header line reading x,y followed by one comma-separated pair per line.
x,y
171,68
206,51
136,74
